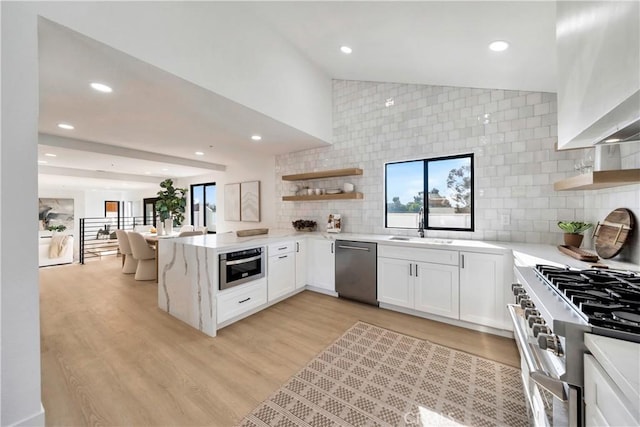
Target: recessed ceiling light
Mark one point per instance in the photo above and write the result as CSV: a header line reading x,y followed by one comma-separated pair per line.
x,y
42,162
499,45
101,87
50,155
346,49
612,140
199,153
256,137
65,126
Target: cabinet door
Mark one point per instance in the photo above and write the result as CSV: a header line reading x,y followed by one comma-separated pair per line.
x,y
301,263
282,275
437,289
482,289
395,282
322,264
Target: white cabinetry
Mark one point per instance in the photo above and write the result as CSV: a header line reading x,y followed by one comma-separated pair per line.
x,y
482,289
406,280
605,404
395,283
301,263
281,270
611,382
321,268
240,299
437,289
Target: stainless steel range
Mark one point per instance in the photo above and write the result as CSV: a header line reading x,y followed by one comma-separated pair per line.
x,y
555,307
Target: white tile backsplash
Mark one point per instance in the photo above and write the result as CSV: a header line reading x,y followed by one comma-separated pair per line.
x,y
515,159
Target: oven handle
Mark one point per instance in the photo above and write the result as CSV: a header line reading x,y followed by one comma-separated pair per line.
x,y
243,260
536,372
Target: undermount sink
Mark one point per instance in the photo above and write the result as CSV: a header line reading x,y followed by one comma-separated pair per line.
x,y
427,240
437,241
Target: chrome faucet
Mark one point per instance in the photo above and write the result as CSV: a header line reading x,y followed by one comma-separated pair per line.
x,y
421,222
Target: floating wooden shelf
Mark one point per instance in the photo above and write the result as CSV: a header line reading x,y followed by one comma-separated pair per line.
x,y
341,196
599,179
323,174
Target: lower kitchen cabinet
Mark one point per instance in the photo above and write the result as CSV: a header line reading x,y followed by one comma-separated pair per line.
x,y
281,275
240,299
395,284
418,285
605,403
482,289
437,289
301,263
321,268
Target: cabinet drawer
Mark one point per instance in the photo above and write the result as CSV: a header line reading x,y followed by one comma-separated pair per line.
x,y
435,256
603,399
234,302
281,248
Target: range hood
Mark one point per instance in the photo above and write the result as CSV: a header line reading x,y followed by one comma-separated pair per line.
x,y
629,133
619,125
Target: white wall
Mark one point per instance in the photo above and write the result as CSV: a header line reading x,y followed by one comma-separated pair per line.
x,y
254,168
220,46
19,309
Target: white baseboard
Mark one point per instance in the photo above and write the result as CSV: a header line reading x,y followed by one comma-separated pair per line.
x,y
35,420
321,290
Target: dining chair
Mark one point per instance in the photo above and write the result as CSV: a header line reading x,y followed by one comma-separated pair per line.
x,y
129,263
202,228
187,227
145,255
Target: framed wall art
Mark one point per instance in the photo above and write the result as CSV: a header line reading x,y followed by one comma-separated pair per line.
x,y
232,202
250,201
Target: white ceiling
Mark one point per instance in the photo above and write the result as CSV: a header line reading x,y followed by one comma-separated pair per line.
x,y
441,43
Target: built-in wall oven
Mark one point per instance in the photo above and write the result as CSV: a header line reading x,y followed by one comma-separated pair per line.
x,y
240,267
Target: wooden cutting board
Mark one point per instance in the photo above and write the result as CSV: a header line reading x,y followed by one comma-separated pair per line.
x,y
612,233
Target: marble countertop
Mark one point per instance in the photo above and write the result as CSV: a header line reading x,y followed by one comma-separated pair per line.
x,y
526,254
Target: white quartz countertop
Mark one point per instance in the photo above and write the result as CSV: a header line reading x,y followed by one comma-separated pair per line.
x,y
526,254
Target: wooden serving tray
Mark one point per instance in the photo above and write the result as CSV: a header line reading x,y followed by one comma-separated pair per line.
x,y
252,232
578,253
612,234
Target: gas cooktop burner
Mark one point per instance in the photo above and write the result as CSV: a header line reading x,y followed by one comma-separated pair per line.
x,y
605,298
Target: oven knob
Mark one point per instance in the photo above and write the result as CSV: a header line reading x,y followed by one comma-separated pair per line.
x,y
540,328
530,312
526,303
550,342
533,320
522,297
517,290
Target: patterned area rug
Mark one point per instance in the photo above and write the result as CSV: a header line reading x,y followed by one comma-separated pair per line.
x,y
371,376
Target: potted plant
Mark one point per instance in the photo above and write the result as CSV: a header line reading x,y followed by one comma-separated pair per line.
x,y
171,204
573,231
56,228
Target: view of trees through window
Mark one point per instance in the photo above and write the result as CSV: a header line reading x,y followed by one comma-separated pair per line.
x,y
203,206
448,185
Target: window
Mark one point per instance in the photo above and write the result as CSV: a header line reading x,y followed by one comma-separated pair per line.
x,y
203,206
447,183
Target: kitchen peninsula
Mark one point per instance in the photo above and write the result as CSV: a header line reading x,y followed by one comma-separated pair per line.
x,y
189,271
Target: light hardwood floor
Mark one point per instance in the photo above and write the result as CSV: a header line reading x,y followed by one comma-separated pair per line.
x,y
111,357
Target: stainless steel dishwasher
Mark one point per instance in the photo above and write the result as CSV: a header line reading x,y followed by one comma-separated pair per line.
x,y
357,271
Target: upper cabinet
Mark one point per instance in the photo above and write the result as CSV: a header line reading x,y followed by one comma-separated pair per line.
x,y
598,49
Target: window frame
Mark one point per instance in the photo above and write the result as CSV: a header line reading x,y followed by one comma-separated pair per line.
x,y
204,186
425,189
